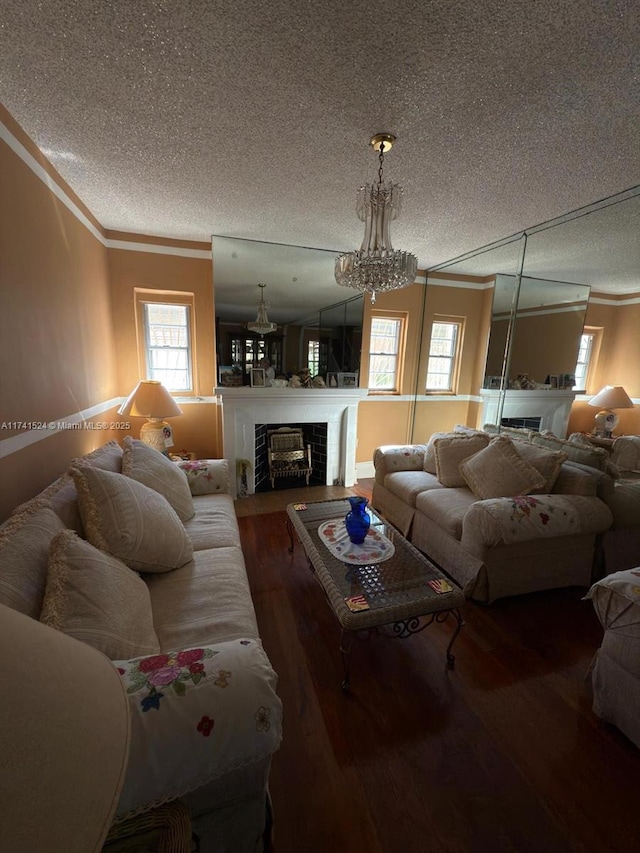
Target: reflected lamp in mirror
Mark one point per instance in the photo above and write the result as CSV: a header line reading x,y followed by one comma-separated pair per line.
x,y
611,397
150,399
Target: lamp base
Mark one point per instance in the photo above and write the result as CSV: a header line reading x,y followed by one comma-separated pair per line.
x,y
606,421
157,434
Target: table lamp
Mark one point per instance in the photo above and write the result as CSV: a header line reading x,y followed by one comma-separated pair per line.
x,y
64,740
611,397
150,399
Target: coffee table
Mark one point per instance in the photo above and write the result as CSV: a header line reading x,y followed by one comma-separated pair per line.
x,y
395,591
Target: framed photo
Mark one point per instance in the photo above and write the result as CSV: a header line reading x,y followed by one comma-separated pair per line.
x,y
494,383
257,377
332,380
553,380
230,378
568,380
347,380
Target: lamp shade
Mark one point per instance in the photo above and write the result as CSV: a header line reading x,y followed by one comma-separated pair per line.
x,y
150,399
612,397
64,739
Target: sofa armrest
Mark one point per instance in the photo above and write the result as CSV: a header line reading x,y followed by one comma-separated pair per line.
x,y
207,476
616,600
503,521
397,457
196,714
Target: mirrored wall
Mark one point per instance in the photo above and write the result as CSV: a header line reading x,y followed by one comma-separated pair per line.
x,y
547,287
319,323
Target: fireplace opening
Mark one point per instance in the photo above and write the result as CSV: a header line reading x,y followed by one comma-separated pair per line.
x,y
314,435
522,423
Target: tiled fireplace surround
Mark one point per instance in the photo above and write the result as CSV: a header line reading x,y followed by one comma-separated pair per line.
x,y
245,408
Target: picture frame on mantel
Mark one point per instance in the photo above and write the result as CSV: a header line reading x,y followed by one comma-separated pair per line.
x,y
257,377
347,380
332,380
553,381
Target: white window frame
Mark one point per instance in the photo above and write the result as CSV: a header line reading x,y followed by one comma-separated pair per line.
x,y
313,356
594,334
453,358
143,298
395,354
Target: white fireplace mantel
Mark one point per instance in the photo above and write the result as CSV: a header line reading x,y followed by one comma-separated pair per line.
x,y
553,406
243,408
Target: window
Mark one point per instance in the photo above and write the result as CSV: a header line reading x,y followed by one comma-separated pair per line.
x,y
587,356
313,357
443,355
167,334
384,353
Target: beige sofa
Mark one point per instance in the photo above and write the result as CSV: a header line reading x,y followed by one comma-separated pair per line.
x,y
539,537
615,671
205,716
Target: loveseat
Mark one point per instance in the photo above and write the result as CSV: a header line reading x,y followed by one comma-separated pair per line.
x,y
501,514
143,561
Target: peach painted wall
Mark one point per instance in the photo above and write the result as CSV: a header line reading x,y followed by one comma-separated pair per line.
x,y
56,338
198,429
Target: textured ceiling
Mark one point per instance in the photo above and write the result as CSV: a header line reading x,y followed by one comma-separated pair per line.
x,y
251,119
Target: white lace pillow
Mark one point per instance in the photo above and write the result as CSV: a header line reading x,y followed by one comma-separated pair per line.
x,y
499,471
130,520
95,598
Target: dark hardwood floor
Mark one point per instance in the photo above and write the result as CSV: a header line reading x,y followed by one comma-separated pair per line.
x,y
501,754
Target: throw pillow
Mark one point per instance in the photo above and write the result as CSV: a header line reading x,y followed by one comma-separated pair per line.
x,y
451,451
430,452
95,598
24,551
148,466
499,471
546,462
130,521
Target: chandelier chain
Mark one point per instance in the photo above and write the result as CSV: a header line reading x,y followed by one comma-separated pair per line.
x,y
381,159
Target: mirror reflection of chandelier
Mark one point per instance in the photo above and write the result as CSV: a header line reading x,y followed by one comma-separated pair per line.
x,y
377,266
261,324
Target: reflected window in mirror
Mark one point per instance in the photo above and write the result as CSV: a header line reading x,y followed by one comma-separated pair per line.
x,y
386,350
313,357
587,358
444,354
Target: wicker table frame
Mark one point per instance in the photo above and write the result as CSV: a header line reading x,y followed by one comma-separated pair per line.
x,y
396,589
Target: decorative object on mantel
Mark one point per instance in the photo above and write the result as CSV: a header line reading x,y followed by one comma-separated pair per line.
x,y
523,383
377,267
261,324
318,382
611,397
150,399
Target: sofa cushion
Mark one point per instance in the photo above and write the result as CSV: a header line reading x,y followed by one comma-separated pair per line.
x,y
546,462
499,471
24,553
95,598
108,457
451,451
146,465
214,524
407,485
130,521
446,508
214,600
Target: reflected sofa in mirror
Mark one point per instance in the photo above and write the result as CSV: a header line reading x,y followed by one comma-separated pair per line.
x,y
316,326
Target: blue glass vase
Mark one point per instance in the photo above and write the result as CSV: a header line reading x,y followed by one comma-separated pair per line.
x,y
357,521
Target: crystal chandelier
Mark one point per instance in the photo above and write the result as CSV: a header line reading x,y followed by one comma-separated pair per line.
x,y
261,324
377,266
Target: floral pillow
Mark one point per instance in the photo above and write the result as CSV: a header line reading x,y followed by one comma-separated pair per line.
x,y
196,714
206,476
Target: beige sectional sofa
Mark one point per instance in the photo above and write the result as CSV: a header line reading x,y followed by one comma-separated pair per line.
x,y
503,535
205,716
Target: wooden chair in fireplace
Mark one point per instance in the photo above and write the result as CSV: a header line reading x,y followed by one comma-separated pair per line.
x,y
288,456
